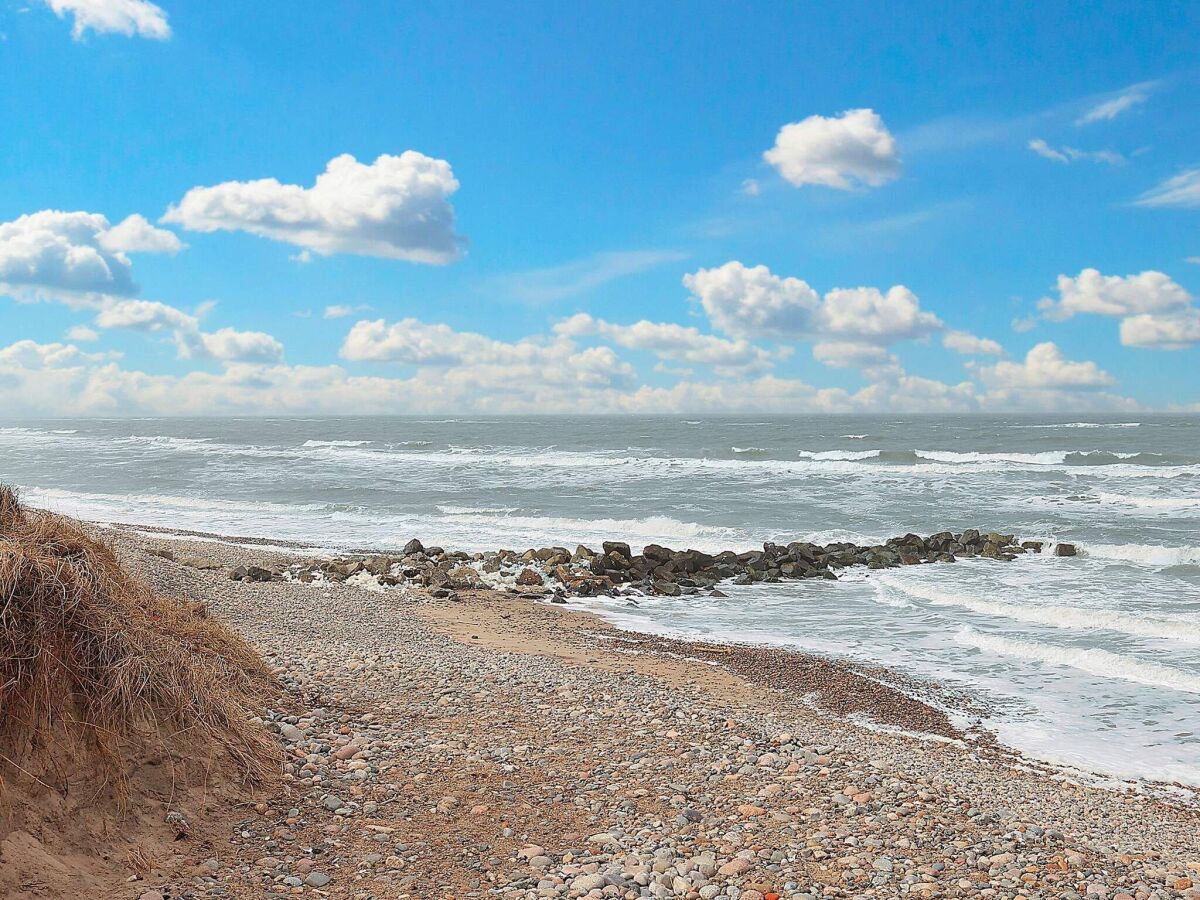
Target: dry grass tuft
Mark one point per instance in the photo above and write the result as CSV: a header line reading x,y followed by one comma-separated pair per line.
x,y
92,658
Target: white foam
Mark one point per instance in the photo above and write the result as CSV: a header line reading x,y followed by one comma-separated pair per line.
x,y
856,437
651,529
1093,661
1084,425
1045,457
1155,503
335,443
1077,618
837,455
1145,554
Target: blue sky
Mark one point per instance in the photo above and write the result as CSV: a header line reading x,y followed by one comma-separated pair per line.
x,y
610,207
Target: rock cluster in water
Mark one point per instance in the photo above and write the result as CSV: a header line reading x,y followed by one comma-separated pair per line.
x,y
615,569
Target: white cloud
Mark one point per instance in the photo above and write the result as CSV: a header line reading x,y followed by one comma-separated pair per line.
x,y
1041,148
55,253
1114,295
671,341
230,346
1044,368
1071,154
28,354
468,357
554,283
83,334
1023,324
74,257
752,302
841,152
852,355
1155,311
342,310
1180,190
397,207
866,313
969,345
527,377
1115,104
1174,331
145,315
135,234
127,17
412,342
226,345
751,187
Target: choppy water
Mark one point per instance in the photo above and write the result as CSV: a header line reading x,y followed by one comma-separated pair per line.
x,y
1092,662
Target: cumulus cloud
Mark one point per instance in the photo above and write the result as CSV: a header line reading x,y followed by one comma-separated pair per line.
x,y
397,207
1071,154
747,301
135,234
227,345
750,301
127,17
1115,104
61,252
145,315
28,354
76,257
1155,311
670,341
1114,295
853,355
1176,331
1181,190
83,334
969,345
866,313
61,379
840,152
1045,368
469,356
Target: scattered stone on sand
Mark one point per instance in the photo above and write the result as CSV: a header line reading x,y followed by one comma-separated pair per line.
x,y
493,748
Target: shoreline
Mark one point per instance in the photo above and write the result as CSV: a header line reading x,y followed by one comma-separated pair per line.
x,y
879,697
486,746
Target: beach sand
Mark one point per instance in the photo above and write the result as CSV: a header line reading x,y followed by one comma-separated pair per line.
x,y
493,746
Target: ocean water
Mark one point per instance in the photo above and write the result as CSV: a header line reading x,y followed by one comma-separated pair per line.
x,y
1091,662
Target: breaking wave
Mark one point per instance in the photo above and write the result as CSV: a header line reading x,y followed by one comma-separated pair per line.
x,y
1145,554
1077,618
1093,661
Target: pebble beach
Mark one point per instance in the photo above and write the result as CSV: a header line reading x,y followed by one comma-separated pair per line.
x,y
487,745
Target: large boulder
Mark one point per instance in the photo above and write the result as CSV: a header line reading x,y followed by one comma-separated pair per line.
x,y
530,578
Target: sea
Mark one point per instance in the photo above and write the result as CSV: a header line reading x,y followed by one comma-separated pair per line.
x,y
1090,663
